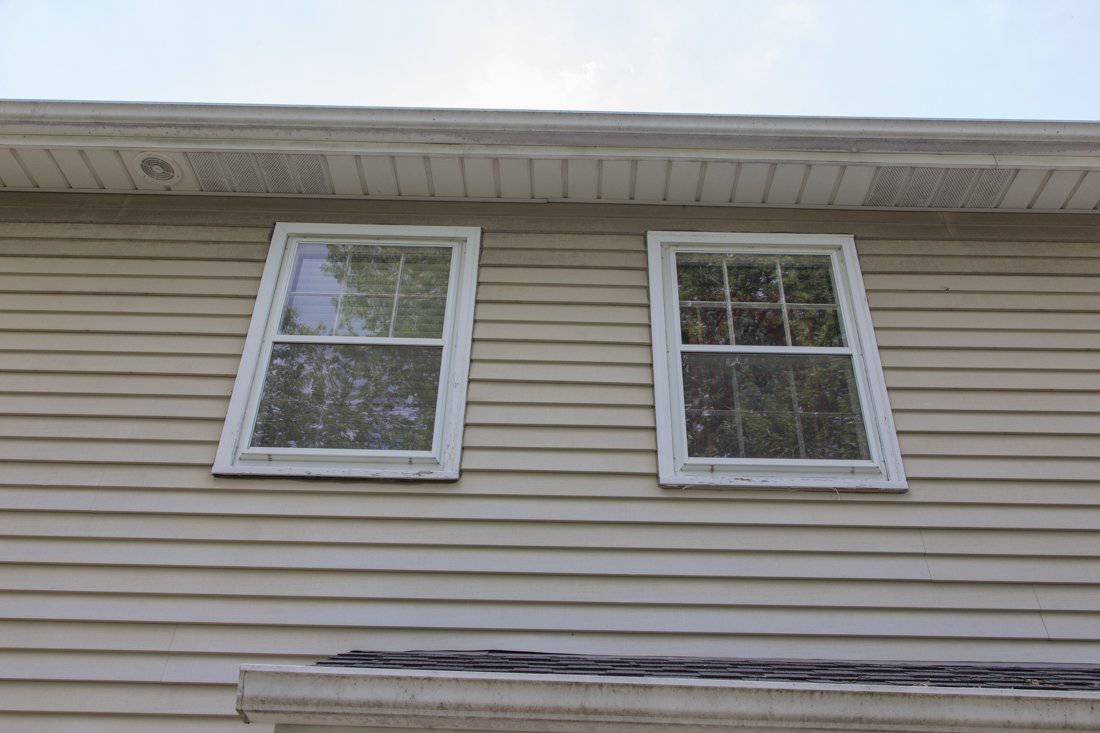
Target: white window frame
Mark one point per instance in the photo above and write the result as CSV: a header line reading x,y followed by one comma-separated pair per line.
x,y
676,469
235,457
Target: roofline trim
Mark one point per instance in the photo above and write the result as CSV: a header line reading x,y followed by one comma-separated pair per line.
x,y
585,129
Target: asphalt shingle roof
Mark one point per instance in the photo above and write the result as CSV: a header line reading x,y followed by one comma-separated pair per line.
x,y
1005,676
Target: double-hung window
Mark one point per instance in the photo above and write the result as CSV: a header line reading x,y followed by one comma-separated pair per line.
x,y
357,358
765,364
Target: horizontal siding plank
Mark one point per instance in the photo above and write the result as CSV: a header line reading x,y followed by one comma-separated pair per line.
x,y
533,562
652,534
518,616
114,323
590,256
132,267
551,414
995,400
951,422
308,640
1000,247
115,384
95,363
980,265
986,320
940,358
999,445
117,451
1011,379
556,438
167,305
573,353
1026,300
121,343
666,591
122,723
611,395
565,332
572,461
779,509
107,283
201,249
35,426
114,697
368,532
1040,340
603,277
547,293
82,666
39,226
561,241
1002,467
519,371
566,313
159,406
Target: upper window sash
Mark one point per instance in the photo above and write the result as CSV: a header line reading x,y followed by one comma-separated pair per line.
x,y
236,452
881,470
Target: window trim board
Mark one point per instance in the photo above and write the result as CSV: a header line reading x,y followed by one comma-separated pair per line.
x,y
884,472
441,464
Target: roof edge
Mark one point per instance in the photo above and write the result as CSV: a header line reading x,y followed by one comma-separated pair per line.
x,y
1018,137
418,699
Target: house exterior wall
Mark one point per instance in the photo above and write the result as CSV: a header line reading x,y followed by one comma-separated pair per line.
x,y
135,583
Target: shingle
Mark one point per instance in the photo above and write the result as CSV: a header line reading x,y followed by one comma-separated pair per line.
x,y
986,675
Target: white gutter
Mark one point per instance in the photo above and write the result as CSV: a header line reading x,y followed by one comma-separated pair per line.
x,y
527,703
580,129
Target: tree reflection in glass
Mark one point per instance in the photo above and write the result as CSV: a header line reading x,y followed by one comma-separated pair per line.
x,y
367,290
774,403
349,396
365,396
772,406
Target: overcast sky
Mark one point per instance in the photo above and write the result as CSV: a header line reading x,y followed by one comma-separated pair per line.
x,y
892,58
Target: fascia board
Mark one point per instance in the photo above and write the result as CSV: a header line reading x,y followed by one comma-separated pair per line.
x,y
578,129
413,699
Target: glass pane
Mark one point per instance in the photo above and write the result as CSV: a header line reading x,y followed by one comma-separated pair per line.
x,y
349,396
808,279
362,315
319,268
372,270
815,327
704,324
309,314
420,317
753,279
426,271
826,436
350,290
700,277
759,327
772,406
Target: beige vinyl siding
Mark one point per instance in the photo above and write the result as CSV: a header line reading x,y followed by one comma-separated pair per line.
x,y
134,583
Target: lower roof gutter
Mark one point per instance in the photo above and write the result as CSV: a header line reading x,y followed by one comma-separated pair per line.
x,y
540,703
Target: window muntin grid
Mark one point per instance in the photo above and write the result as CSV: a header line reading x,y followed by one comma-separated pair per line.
x,y
758,300
758,335
353,378
367,290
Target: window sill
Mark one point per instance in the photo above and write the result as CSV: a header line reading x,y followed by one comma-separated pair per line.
x,y
835,484
389,473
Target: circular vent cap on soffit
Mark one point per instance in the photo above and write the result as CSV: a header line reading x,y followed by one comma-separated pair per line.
x,y
159,168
